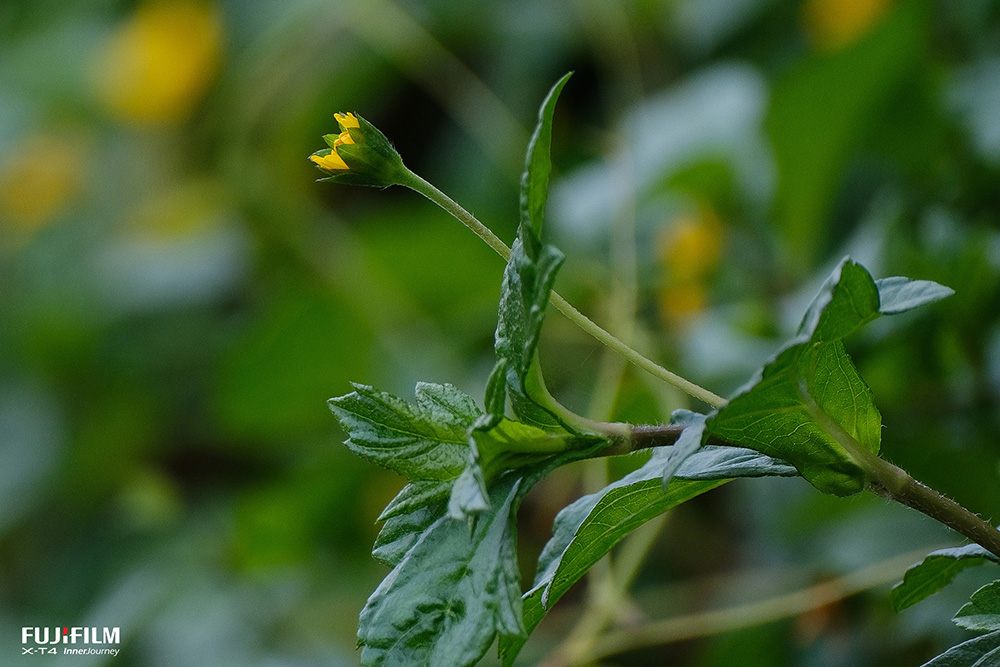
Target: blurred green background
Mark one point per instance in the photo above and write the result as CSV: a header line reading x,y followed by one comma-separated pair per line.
x,y
178,297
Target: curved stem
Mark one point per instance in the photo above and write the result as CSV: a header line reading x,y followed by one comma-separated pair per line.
x,y
419,185
886,479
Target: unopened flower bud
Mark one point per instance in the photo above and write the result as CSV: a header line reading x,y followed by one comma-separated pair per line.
x,y
359,155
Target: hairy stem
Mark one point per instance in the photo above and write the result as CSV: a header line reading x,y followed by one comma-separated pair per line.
x,y
886,480
419,185
894,483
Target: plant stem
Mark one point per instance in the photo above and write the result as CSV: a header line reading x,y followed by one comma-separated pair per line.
x,y
419,185
885,479
634,356
894,483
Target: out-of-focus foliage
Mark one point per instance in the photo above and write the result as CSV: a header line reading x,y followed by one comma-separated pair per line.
x,y
178,297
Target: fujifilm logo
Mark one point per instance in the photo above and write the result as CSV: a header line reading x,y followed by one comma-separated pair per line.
x,y
97,640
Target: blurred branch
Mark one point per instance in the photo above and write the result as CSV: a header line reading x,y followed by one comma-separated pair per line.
x,y
609,601
704,624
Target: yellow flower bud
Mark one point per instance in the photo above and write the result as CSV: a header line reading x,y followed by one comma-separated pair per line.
x,y
359,155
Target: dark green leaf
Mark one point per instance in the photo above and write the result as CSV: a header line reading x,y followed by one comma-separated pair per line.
x,y
424,442
982,651
936,571
809,406
538,164
450,592
587,529
982,612
527,283
452,589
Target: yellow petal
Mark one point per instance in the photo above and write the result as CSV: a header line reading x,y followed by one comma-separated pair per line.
x,y
344,138
329,162
347,120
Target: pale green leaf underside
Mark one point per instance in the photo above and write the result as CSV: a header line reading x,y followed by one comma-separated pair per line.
x,y
982,612
936,571
587,529
498,444
982,651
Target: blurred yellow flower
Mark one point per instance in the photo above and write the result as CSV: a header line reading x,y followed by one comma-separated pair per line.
x,y
689,250
691,245
680,302
193,209
834,24
157,66
38,181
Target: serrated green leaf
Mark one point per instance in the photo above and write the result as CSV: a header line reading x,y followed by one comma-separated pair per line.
x,y
809,406
936,571
982,611
982,651
452,590
427,441
527,284
587,529
416,494
538,163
